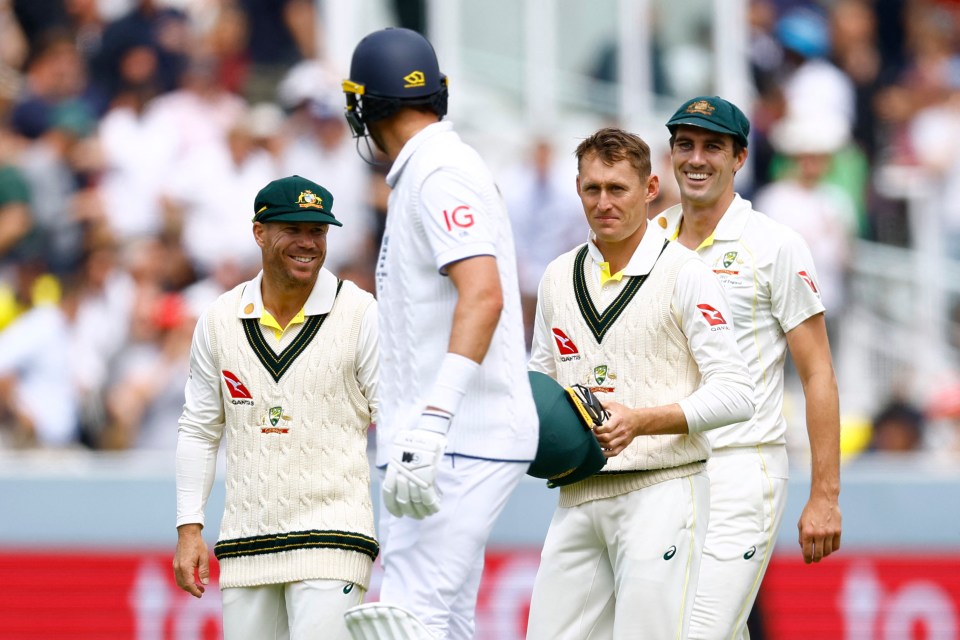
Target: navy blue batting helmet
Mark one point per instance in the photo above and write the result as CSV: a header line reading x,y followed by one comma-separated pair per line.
x,y
392,68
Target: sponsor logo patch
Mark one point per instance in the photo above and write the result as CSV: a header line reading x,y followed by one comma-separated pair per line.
x,y
750,552
713,317
672,551
565,346
239,394
810,283
458,217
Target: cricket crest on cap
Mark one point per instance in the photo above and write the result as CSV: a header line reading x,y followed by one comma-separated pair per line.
x,y
308,198
702,107
294,199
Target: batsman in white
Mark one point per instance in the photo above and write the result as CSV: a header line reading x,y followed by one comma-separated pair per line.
x,y
769,279
285,367
644,324
458,426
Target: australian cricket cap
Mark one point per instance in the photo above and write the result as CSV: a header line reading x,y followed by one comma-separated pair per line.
x,y
712,113
294,199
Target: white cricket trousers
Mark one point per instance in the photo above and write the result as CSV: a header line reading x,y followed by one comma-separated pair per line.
x,y
432,567
746,511
624,567
304,610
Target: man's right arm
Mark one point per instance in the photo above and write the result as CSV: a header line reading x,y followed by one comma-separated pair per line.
x,y
201,427
541,347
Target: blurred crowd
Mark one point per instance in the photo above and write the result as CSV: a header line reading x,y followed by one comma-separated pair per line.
x,y
135,133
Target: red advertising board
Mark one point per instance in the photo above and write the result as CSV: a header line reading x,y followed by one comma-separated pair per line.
x,y
863,596
851,596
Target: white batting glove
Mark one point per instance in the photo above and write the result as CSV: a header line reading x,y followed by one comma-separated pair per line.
x,y
410,483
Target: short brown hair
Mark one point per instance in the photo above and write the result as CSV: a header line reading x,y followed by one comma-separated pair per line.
x,y
612,145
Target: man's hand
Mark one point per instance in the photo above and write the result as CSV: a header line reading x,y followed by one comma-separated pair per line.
x,y
192,558
410,484
619,429
820,525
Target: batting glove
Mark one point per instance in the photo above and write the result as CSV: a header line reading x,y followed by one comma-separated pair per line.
x,y
410,483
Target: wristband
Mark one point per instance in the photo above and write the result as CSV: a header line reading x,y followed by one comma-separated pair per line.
x,y
453,379
436,421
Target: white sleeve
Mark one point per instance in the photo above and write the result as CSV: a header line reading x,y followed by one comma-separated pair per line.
x,y
368,365
541,347
725,395
455,218
794,287
201,428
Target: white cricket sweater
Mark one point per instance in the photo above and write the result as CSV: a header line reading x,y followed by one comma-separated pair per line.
x,y
634,352
298,503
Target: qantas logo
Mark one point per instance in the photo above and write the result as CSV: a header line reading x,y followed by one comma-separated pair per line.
x,y
238,392
568,350
713,316
810,283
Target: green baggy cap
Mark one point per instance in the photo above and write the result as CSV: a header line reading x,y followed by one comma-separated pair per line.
x,y
712,113
294,199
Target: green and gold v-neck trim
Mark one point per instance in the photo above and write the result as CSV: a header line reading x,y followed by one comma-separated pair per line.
x,y
600,323
278,363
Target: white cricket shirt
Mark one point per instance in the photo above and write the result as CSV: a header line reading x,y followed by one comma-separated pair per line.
x,y
445,207
771,286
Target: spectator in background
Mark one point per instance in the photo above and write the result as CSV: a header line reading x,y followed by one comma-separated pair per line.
x,y
16,218
57,167
930,134
546,216
102,325
942,411
281,33
207,192
161,32
201,110
930,74
146,394
821,213
897,428
39,403
853,29
55,75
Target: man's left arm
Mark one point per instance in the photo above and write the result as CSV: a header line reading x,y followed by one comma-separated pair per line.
x,y
820,522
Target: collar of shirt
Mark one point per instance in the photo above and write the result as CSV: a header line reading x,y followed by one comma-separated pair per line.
x,y
414,143
730,227
320,300
642,260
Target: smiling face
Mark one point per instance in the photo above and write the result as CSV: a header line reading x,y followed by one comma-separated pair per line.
x,y
704,163
293,252
615,198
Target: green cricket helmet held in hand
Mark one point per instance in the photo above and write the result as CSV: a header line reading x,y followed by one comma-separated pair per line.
x,y
567,451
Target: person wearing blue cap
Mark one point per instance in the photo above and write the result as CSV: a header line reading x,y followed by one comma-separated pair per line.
x,y
771,284
285,368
